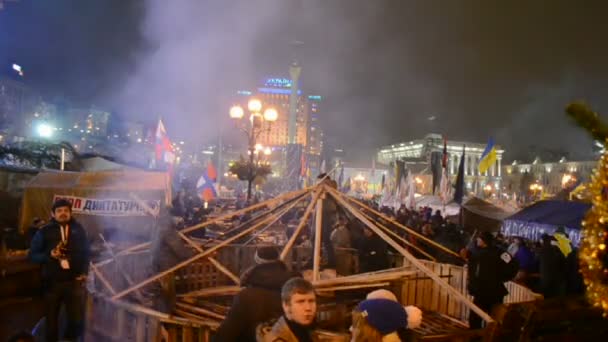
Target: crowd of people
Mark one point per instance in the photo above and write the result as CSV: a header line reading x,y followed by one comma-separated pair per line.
x,y
287,300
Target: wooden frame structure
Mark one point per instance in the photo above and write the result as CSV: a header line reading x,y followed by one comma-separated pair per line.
x,y
117,286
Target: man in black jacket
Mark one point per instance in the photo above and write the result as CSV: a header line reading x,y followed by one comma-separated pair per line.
x,y
62,248
259,301
488,269
373,255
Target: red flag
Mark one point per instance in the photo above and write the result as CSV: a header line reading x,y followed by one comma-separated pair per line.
x,y
211,171
163,147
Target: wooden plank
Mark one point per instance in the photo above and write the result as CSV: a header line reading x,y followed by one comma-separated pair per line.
x,y
172,332
187,334
140,328
339,197
192,259
213,221
409,230
153,331
318,232
301,226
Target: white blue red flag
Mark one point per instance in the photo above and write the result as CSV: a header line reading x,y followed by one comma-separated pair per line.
x,y
206,184
163,147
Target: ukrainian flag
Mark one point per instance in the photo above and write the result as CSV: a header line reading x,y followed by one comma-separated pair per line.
x,y
488,157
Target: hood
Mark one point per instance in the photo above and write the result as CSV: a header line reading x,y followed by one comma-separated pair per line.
x,y
270,275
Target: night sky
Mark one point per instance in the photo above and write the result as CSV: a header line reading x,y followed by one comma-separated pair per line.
x,y
504,69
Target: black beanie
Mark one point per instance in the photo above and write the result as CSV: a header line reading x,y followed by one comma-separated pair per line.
x,y
266,254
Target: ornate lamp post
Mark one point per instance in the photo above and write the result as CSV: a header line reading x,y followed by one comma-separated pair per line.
x,y
253,126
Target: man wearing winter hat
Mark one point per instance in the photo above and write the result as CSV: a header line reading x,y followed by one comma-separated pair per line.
x,y
488,269
259,301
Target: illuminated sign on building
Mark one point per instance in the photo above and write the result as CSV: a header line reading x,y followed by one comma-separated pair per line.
x,y
315,97
277,82
244,92
277,91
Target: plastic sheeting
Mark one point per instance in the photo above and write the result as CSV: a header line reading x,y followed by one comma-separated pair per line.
x,y
534,231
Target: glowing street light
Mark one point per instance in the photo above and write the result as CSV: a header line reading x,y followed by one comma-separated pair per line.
x,y
256,119
567,180
267,151
44,130
236,112
254,105
271,115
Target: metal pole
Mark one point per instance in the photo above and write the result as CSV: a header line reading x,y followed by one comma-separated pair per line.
x,y
62,159
250,166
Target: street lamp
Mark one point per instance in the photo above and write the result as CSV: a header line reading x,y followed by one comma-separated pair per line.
x,y
253,127
535,187
487,189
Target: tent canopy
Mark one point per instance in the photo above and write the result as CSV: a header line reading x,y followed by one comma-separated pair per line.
x,y
485,209
100,199
482,216
544,217
556,213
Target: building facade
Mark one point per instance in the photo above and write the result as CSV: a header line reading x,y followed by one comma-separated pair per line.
x,y
275,92
552,176
417,155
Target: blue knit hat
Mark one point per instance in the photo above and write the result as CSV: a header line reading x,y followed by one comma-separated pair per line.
x,y
384,315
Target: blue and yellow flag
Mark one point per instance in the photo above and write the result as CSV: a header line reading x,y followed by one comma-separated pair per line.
x,y
488,157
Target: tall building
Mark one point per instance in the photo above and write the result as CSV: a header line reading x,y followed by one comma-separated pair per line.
x,y
315,133
418,154
16,99
275,92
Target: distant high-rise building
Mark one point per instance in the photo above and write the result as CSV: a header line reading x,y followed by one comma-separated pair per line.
x,y
16,98
275,93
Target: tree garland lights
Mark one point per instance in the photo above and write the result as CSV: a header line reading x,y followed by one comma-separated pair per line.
x,y
594,253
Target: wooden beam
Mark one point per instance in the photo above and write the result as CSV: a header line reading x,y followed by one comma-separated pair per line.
x,y
396,236
275,220
300,227
442,283
318,232
192,259
409,230
213,292
351,287
212,260
103,280
195,309
210,222
127,277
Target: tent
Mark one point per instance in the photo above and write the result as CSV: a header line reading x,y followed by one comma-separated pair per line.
x,y
544,217
483,216
435,203
100,200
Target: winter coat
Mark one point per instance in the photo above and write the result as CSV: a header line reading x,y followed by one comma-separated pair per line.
x,y
78,252
525,259
340,237
279,332
489,268
374,254
258,302
553,270
168,248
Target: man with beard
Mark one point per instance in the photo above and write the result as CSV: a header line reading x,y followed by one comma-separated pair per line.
x,y
259,301
299,312
62,248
